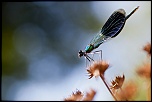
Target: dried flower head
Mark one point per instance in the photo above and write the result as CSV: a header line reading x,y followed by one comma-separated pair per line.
x,y
89,95
129,91
147,48
144,70
118,82
97,68
77,96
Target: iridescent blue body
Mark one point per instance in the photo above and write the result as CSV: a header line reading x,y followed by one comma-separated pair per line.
x,y
111,29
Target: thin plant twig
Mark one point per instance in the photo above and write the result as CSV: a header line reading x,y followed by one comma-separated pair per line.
x,y
102,77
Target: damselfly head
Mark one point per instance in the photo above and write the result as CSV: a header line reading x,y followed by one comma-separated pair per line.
x,y
80,53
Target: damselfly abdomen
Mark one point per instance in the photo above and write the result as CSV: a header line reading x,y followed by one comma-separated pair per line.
x,y
111,29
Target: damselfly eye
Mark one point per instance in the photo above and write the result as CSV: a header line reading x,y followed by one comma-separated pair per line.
x,y
80,53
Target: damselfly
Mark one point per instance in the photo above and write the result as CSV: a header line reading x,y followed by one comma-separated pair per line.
x,y
111,29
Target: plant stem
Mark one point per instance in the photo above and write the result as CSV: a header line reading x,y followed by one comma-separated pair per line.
x,y
102,77
124,94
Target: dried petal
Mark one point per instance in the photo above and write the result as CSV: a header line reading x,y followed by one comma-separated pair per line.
x,y
77,96
144,70
118,82
147,48
97,68
89,95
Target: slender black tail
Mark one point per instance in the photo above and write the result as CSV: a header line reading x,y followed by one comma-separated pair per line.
x,y
132,12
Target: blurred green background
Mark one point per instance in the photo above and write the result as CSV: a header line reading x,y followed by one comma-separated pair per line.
x,y
40,42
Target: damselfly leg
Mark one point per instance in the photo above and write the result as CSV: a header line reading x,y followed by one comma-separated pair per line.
x,y
93,56
99,54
